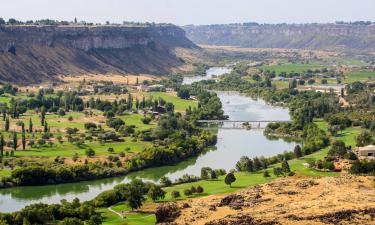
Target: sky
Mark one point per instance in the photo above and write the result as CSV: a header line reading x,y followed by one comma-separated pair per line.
x,y
183,12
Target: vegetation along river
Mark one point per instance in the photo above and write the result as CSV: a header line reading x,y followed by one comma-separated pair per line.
x,y
232,144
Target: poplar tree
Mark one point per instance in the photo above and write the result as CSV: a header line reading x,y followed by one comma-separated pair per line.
x,y
30,125
15,140
23,140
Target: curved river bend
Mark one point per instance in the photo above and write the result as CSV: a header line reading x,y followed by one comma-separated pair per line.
x,y
231,145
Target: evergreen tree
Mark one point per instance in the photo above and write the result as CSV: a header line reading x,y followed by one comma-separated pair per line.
x,y
30,125
45,127
23,140
2,145
298,151
229,179
285,167
15,141
6,128
43,116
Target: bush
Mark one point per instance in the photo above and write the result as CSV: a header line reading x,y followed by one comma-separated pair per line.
x,y
146,120
90,152
187,192
200,189
175,194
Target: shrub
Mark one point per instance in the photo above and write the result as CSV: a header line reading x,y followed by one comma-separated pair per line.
x,y
187,192
175,194
200,189
90,152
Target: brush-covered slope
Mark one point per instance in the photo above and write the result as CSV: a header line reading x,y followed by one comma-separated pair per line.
x,y
31,54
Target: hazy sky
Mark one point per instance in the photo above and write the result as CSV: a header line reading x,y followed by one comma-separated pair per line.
x,y
184,12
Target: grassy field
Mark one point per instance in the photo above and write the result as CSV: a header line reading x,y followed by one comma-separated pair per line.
x,y
135,119
292,67
363,75
180,104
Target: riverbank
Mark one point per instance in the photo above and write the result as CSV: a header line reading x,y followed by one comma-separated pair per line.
x,y
244,179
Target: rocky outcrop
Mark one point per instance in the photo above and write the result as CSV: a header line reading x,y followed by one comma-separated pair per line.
x,y
297,36
167,212
36,53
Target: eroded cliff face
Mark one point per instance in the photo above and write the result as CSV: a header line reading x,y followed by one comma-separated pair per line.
x,y
299,36
35,53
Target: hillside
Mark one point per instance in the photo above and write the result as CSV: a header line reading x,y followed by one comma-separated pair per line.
x,y
326,200
31,54
297,36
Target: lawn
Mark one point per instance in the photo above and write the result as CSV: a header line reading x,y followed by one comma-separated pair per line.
x,y
362,75
135,119
180,104
111,218
67,149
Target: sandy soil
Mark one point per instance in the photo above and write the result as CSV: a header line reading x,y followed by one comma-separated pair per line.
x,y
341,200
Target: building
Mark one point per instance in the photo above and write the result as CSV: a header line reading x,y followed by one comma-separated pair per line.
x,y
367,152
337,89
142,87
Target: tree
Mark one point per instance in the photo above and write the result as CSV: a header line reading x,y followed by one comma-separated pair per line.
x,y
15,140
23,140
213,175
292,84
205,173
90,152
43,116
298,151
199,189
285,167
6,126
165,181
229,179
187,192
30,125
338,149
45,129
277,171
2,21
71,221
266,173
175,194
364,138
2,145
155,193
134,194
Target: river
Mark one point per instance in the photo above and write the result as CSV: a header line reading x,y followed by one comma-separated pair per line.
x,y
231,145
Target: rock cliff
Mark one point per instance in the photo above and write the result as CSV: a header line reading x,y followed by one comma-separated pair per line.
x,y
36,53
339,37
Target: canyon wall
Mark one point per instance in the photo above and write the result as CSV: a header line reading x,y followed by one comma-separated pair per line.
x,y
337,37
32,54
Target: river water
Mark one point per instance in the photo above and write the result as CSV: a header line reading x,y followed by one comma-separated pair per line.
x,y
231,145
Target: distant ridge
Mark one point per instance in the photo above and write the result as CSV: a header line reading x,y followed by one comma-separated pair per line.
x,y
339,37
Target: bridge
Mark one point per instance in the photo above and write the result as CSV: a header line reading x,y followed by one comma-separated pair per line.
x,y
240,121
240,124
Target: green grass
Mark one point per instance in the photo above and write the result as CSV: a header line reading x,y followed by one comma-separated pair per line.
x,y
292,67
363,75
67,149
179,104
279,84
135,119
135,218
